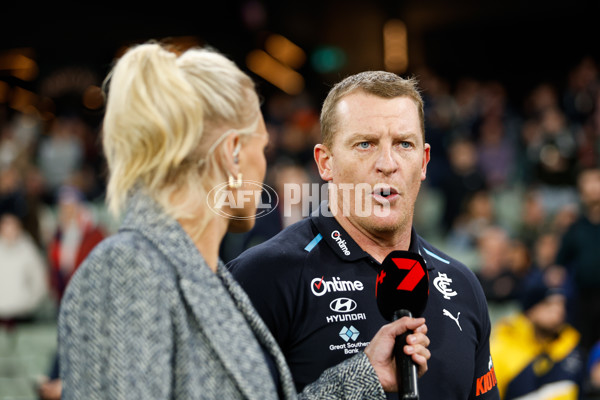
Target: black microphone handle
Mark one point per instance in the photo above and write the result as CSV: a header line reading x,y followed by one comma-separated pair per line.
x,y
406,369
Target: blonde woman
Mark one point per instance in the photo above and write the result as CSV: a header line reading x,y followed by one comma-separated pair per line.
x,y
153,313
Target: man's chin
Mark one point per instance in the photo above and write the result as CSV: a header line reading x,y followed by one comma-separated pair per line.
x,y
387,224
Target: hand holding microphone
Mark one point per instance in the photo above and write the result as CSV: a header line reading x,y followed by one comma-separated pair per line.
x,y
402,289
381,350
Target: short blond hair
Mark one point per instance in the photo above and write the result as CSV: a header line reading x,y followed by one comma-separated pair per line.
x,y
378,83
165,116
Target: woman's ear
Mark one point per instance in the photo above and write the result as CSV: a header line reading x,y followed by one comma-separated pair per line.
x,y
232,148
323,158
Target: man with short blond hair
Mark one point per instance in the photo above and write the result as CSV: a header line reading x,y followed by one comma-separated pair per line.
x,y
319,297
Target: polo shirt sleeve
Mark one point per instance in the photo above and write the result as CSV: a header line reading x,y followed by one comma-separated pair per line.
x,y
485,385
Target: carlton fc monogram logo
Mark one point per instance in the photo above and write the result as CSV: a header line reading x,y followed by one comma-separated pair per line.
x,y
442,283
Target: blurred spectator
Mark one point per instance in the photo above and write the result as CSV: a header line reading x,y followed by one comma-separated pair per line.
x,y
520,262
21,191
579,254
298,136
23,278
61,153
18,136
75,236
564,218
580,102
592,382
293,186
542,97
496,151
496,107
479,214
293,125
536,353
544,255
545,250
36,209
534,218
552,152
12,194
579,97
9,149
588,139
499,281
468,105
440,119
544,268
460,181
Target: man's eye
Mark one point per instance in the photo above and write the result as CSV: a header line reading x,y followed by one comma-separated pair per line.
x,y
406,145
364,145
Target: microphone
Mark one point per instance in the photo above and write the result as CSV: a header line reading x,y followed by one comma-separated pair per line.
x,y
402,289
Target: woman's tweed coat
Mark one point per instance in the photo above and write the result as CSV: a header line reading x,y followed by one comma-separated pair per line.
x,y
145,318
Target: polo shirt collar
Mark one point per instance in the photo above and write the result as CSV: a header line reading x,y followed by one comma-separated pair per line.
x,y
340,241
335,236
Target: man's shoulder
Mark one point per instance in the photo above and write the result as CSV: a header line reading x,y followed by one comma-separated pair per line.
x,y
286,247
447,264
441,259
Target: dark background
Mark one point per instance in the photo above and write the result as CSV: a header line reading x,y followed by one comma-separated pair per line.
x,y
519,43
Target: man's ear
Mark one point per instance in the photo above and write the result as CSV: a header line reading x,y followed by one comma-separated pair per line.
x,y
426,155
323,158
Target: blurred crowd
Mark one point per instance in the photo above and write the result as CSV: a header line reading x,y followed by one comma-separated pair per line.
x,y
513,190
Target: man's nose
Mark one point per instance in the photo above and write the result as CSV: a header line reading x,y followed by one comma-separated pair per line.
x,y
386,162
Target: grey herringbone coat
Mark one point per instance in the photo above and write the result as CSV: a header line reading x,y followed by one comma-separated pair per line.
x,y
145,318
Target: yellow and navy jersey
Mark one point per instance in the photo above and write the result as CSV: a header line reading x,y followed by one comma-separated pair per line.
x,y
315,289
529,368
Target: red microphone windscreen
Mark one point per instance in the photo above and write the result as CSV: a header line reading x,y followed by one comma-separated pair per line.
x,y
402,284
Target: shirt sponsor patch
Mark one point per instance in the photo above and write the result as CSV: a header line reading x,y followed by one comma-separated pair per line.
x,y
349,333
349,336
320,286
345,317
337,236
342,305
486,382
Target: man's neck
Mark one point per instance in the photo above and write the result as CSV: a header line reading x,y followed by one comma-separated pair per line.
x,y
377,244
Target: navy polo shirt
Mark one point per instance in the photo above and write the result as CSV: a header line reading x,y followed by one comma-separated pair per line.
x,y
315,289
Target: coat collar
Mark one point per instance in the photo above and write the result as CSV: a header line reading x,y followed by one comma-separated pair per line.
x,y
224,323
260,329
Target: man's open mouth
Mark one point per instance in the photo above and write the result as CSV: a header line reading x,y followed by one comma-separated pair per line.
x,y
385,192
